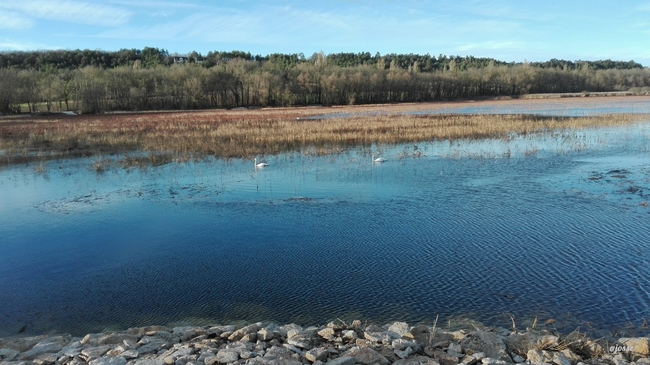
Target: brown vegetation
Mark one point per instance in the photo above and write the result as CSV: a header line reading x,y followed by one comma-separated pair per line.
x,y
259,132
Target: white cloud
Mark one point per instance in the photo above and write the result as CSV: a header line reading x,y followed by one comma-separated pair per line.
x,y
11,20
70,11
11,45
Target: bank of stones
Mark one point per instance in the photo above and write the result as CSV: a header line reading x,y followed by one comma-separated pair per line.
x,y
335,344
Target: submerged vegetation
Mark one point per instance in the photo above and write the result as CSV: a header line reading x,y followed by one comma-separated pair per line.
x,y
243,134
152,79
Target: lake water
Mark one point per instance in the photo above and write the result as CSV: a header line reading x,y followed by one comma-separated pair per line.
x,y
555,226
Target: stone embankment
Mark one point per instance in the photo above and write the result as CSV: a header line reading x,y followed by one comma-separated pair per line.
x,y
334,344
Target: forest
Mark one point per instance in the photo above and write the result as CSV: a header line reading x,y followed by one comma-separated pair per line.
x,y
89,81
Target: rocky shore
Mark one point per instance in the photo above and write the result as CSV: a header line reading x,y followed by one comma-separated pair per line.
x,y
334,344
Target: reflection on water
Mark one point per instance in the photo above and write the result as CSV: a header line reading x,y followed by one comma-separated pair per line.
x,y
549,107
553,226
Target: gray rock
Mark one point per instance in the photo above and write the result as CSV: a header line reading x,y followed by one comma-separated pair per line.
x,y
130,354
218,330
45,359
148,330
246,354
401,328
240,333
265,334
543,356
489,343
117,360
293,348
47,345
73,349
444,358
170,356
284,330
317,354
151,344
8,354
469,360
302,339
117,339
349,335
366,356
327,333
379,337
643,361
20,344
491,361
343,360
416,360
185,360
518,359
92,353
620,360
403,354
401,344
210,360
227,356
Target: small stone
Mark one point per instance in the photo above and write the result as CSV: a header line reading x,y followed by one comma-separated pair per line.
x,y
518,359
349,335
317,354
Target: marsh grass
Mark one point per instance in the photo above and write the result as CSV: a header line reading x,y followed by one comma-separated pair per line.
x,y
258,133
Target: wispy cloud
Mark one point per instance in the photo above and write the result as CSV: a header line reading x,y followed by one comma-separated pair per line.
x,y
69,11
6,44
11,20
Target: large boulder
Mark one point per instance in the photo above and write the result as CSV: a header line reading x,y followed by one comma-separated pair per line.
x,y
47,345
543,356
639,346
248,330
366,356
489,343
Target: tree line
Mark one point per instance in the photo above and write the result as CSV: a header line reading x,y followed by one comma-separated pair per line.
x,y
152,79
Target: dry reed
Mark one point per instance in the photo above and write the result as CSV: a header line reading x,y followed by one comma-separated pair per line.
x,y
232,134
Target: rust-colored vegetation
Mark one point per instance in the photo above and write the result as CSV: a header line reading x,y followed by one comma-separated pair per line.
x,y
249,133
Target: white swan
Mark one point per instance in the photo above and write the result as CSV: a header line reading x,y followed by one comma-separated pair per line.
x,y
261,164
378,159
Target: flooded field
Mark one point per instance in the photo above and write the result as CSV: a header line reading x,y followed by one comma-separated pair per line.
x,y
552,225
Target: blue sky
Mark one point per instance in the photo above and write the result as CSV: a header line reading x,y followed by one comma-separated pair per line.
x,y
507,30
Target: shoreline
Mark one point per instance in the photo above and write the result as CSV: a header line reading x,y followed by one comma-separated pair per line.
x,y
337,343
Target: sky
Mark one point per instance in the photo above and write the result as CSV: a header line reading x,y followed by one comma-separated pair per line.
x,y
508,30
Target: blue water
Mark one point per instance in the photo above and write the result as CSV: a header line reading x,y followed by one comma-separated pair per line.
x,y
552,226
554,108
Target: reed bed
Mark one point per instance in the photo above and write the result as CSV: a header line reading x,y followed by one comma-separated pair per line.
x,y
243,135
